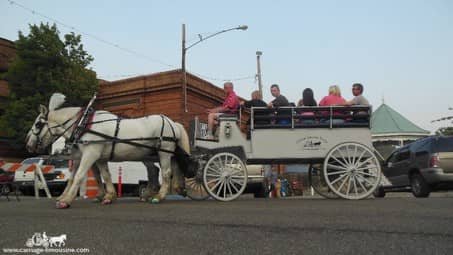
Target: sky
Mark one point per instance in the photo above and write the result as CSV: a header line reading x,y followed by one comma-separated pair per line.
x,y
400,50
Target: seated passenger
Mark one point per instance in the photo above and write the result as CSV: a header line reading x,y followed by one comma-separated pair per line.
x,y
257,101
359,99
279,101
229,106
308,99
334,98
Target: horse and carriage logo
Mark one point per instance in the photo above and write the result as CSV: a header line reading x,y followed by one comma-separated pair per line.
x,y
311,143
42,240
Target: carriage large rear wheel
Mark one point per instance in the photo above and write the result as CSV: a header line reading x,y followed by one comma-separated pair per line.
x,y
352,170
225,176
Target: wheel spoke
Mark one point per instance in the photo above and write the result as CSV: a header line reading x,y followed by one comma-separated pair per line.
x,y
234,187
339,178
343,182
364,162
355,186
365,179
212,175
349,155
344,164
220,187
361,184
355,153
349,186
367,174
342,155
229,188
340,168
218,171
237,182
213,180
337,172
216,185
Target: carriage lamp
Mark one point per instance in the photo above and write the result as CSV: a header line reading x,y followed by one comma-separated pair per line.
x,y
228,130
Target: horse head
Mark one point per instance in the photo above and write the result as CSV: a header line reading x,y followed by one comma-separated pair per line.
x,y
44,130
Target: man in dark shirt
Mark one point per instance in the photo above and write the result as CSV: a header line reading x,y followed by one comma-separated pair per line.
x,y
279,100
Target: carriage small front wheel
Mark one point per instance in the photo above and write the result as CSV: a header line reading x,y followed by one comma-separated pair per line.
x,y
225,176
352,170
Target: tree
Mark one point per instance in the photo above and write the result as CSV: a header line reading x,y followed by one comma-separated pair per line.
x,y
45,64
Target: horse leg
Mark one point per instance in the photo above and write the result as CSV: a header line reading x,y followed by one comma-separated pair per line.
x,y
73,171
177,180
86,162
152,188
97,176
165,167
110,195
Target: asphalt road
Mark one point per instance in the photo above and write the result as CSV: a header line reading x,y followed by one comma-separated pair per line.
x,y
395,225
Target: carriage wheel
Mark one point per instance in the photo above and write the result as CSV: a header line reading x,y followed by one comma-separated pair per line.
x,y
318,182
195,189
352,171
225,176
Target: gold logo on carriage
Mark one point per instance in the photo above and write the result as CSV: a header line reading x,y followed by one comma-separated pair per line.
x,y
311,143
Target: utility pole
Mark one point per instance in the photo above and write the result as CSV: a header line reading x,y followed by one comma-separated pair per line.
x,y
258,65
183,67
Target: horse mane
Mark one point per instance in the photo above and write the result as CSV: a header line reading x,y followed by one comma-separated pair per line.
x,y
56,101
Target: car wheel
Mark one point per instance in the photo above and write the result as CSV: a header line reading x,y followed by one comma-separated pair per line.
x,y
379,192
419,186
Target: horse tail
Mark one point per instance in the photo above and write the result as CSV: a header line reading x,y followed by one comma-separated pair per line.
x,y
183,141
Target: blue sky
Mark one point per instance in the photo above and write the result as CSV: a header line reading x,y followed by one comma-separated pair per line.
x,y
401,51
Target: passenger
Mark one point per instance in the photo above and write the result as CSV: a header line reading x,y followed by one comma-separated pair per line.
x,y
308,99
257,101
358,116
280,101
334,98
359,99
229,106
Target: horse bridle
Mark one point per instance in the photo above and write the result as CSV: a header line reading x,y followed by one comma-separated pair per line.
x,y
44,122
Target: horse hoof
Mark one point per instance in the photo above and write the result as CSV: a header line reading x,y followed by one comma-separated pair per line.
x,y
106,202
155,201
62,205
142,199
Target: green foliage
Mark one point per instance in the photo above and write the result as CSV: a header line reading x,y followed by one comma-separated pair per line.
x,y
446,131
45,64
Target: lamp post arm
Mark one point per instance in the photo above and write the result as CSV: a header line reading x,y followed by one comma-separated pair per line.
x,y
212,35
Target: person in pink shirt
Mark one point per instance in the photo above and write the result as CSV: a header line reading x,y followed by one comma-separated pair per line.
x,y
229,106
334,98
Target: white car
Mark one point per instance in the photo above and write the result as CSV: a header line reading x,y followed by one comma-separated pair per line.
x,y
56,177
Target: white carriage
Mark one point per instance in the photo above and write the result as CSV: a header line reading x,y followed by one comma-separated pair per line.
x,y
336,139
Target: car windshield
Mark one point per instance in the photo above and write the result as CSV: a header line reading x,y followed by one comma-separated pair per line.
x,y
58,163
444,144
31,161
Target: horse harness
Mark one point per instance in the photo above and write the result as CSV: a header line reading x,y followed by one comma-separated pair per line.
x,y
130,141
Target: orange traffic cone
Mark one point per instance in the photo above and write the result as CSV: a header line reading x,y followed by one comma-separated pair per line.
x,y
92,186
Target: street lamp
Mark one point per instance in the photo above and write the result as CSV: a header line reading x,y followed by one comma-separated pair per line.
x,y
185,48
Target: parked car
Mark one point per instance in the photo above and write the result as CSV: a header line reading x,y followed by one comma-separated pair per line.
x,y
56,179
421,167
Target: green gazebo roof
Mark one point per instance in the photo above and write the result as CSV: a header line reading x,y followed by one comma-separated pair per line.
x,y
385,120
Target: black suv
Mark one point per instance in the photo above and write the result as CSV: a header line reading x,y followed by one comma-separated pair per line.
x,y
421,167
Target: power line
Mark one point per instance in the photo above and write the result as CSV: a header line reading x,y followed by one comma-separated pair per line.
x,y
91,35
132,52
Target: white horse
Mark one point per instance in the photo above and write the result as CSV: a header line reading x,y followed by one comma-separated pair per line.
x,y
58,241
155,133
